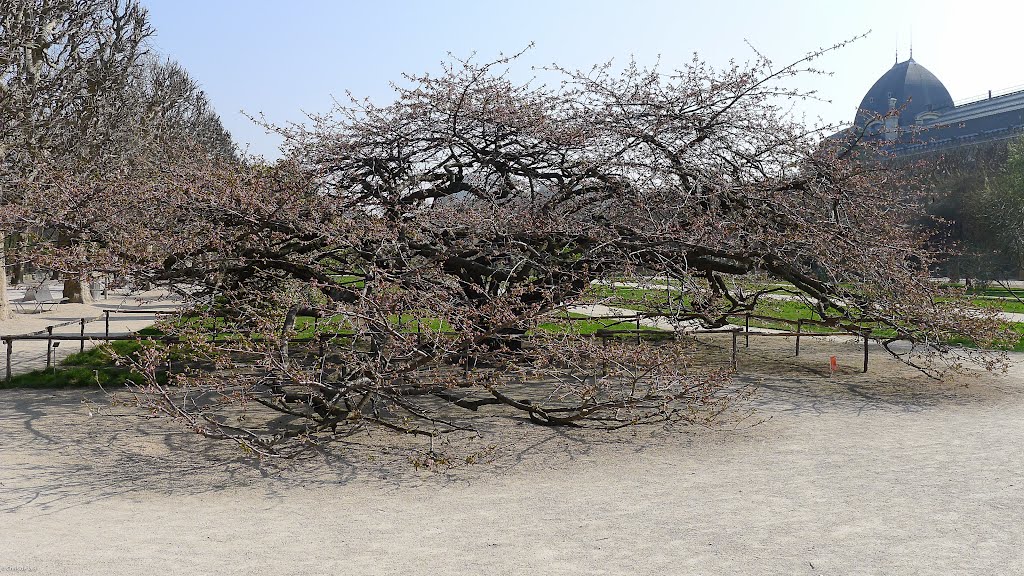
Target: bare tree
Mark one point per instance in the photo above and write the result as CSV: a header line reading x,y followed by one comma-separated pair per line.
x,y
408,263
81,96
171,108
62,66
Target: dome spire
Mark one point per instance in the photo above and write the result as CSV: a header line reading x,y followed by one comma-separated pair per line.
x,y
915,89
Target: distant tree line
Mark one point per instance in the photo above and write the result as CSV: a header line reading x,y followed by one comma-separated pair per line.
x,y
82,93
974,209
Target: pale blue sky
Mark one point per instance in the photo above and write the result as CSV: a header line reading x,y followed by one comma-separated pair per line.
x,y
284,58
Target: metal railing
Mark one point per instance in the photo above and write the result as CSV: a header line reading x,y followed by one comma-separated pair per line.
x,y
47,335
604,334
799,333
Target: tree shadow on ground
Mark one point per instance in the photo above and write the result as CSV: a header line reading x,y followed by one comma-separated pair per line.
x,y
65,448
784,383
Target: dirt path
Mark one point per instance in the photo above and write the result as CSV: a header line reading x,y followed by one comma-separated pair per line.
x,y
887,473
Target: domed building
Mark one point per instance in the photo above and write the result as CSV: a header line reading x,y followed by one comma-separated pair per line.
x,y
910,108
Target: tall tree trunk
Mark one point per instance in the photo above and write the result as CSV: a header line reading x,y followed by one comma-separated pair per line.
x,y
77,289
18,268
5,305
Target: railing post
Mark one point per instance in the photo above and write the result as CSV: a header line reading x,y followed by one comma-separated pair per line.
x,y
81,334
746,331
604,360
866,351
10,346
49,346
799,325
734,350
106,329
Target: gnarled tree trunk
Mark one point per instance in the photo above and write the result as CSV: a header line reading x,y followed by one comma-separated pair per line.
x,y
77,290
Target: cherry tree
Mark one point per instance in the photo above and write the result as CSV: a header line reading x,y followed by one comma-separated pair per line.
x,y
409,264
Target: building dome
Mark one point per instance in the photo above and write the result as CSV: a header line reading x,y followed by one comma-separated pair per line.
x,y
916,90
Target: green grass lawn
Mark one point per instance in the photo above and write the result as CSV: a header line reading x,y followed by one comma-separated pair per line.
x,y
642,299
792,310
997,291
1019,329
1002,304
586,325
83,370
407,323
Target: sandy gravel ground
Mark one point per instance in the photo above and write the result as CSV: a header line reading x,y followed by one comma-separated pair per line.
x,y
887,473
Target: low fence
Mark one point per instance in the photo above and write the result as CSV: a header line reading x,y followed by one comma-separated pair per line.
x,y
736,332
50,338
799,333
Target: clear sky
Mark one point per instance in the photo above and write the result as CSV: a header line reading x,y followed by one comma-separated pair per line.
x,y
288,57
